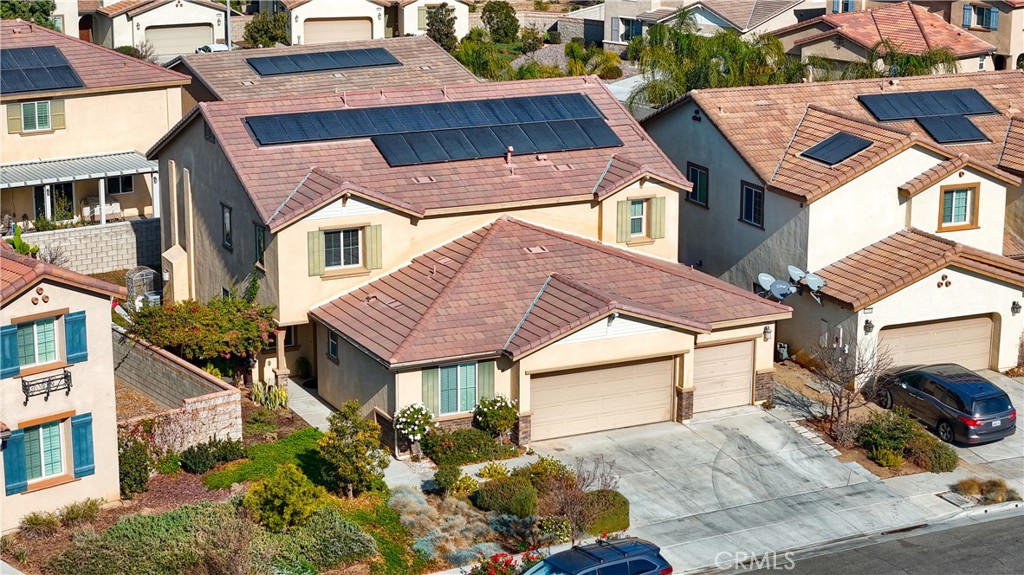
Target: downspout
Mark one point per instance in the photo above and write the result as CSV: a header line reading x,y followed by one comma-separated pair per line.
x,y
189,232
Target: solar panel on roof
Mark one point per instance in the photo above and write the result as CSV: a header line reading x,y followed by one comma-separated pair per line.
x,y
952,129
322,61
36,69
913,105
836,148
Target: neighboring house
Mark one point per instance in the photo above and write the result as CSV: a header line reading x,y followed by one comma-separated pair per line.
x,y
231,75
58,421
586,23
172,28
63,154
622,19
848,37
65,16
909,209
583,335
322,21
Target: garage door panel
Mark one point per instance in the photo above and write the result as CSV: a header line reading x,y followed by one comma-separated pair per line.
x,y
171,41
599,399
723,376
323,30
967,342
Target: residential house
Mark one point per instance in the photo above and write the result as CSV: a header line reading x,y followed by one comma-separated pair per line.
x,y
322,21
65,154
850,36
904,194
321,194
586,23
58,421
65,16
418,61
171,28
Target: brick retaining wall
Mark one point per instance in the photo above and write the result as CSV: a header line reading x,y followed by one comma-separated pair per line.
x,y
97,249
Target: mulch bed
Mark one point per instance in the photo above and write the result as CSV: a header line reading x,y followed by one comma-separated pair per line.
x,y
284,422
133,403
860,455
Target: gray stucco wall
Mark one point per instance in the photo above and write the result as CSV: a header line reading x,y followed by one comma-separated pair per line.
x,y
97,249
354,375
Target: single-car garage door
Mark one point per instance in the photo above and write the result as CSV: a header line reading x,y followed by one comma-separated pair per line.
x,y
964,341
171,41
322,30
584,401
723,376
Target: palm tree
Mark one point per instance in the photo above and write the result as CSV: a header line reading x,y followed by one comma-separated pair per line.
x,y
887,59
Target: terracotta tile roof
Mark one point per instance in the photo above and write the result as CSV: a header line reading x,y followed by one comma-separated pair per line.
x,y
423,63
933,175
1011,157
887,266
913,28
19,273
140,6
1013,245
273,175
100,69
488,293
747,15
656,15
85,6
761,121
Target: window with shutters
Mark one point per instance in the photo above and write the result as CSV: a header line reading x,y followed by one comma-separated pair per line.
x,y
345,252
640,220
39,455
37,342
35,116
44,451
752,204
423,16
33,345
458,388
984,17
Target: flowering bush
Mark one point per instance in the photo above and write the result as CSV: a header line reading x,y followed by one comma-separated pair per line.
x,y
414,421
497,415
497,564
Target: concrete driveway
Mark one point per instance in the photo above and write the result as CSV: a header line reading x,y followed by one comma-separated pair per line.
x,y
741,481
1004,458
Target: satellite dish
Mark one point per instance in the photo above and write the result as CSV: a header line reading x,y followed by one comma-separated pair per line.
x,y
796,274
766,281
814,282
781,289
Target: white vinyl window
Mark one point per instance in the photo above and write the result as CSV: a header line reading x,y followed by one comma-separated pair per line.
x,y
637,217
458,387
956,206
35,116
332,345
44,451
37,342
342,249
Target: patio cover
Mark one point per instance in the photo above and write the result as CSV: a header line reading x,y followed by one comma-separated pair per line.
x,y
54,171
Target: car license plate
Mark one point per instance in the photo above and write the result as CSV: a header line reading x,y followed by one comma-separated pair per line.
x,y
997,423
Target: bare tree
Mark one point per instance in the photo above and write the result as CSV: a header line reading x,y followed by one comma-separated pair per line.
x,y
569,494
851,376
54,254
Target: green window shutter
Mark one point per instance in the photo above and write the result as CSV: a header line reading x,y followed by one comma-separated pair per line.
x,y
315,244
421,15
75,340
13,118
57,114
431,389
9,364
15,477
449,389
81,440
467,387
622,234
657,217
373,248
485,379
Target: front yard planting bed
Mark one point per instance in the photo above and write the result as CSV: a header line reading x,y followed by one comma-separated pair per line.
x,y
262,460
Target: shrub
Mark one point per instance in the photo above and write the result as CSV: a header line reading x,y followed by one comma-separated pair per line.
x,y
941,458
303,367
532,39
496,415
993,491
541,5
542,472
352,449
441,26
891,430
134,466
613,511
446,476
611,73
498,563
516,533
493,470
266,29
269,395
845,433
968,487
285,500
508,495
463,447
885,457
39,524
169,463
464,485
6,544
414,421
554,37
198,458
555,529
225,450
499,17
438,531
84,511
328,539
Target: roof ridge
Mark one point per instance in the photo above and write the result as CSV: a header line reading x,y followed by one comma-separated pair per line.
x,y
294,191
529,309
789,145
920,26
1006,138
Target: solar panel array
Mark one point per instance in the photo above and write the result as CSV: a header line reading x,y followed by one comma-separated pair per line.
x,y
322,61
836,148
450,131
36,69
942,113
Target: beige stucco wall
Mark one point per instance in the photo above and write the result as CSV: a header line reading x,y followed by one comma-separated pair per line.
x,y
132,31
1008,38
68,9
925,210
409,17
354,375
92,392
335,9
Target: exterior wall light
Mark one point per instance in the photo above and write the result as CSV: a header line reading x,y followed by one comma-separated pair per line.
x,y
767,333
869,326
1015,308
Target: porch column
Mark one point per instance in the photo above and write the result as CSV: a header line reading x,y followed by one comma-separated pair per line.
x,y
103,200
47,203
156,194
281,373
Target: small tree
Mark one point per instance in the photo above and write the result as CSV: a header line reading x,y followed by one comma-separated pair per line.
x,y
499,17
532,39
441,26
266,30
496,415
144,51
352,448
851,377
36,11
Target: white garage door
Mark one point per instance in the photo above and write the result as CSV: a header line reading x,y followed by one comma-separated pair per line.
x,y
322,30
964,341
171,41
723,376
591,400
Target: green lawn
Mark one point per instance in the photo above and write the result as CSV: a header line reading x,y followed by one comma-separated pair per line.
x,y
298,448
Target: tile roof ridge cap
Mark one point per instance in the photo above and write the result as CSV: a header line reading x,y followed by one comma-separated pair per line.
x,y
442,296
789,145
526,314
291,194
920,25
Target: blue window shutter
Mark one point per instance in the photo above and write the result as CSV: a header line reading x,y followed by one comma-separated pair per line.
x,y
9,366
967,15
81,441
835,7
75,337
14,463
993,18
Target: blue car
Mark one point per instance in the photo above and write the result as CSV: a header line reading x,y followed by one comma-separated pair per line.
x,y
627,556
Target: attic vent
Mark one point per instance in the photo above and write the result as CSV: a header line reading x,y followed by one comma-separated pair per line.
x,y
424,179
564,167
424,67
338,75
208,132
445,260
247,83
762,102
535,250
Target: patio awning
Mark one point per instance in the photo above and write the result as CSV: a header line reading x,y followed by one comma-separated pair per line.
x,y
74,169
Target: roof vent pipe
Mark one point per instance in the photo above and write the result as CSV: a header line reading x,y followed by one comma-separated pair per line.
x,y
508,154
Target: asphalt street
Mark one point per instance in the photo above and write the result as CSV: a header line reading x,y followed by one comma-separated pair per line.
x,y
988,548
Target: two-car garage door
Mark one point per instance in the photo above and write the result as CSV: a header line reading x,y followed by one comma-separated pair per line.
x,y
323,30
967,342
171,41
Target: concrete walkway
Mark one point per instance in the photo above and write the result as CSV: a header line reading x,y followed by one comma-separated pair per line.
x,y
308,405
6,569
